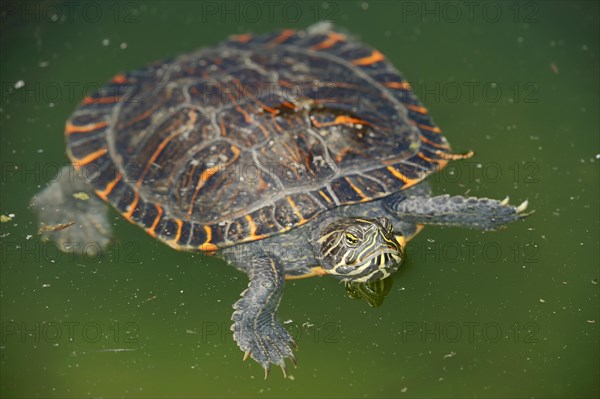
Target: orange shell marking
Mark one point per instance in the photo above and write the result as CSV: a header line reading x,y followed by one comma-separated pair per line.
x,y
375,56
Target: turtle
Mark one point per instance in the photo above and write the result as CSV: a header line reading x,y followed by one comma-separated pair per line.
x,y
289,154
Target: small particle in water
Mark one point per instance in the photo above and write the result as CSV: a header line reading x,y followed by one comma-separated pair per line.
x,y
45,285
105,42
19,84
597,156
364,6
595,281
591,321
520,39
5,219
542,300
288,321
584,47
43,64
123,46
28,237
190,332
554,68
116,350
451,354
81,196
404,389
291,377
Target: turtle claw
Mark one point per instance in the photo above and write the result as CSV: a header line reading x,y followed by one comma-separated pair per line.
x,y
505,201
246,356
293,359
267,370
283,368
522,207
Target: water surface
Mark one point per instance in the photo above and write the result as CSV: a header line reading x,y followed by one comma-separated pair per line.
x,y
505,314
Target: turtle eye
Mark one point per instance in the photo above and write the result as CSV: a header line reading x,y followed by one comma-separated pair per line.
x,y
351,239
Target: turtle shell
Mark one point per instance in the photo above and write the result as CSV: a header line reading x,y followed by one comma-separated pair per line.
x,y
253,137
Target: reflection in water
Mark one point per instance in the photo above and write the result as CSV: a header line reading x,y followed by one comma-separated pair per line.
x,y
373,292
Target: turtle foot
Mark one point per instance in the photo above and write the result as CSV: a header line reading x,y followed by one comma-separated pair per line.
x,y
471,212
71,215
256,326
267,344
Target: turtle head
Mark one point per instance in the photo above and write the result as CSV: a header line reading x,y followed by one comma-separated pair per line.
x,y
359,249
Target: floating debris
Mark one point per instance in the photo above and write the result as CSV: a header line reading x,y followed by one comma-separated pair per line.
x,y
554,68
44,228
5,219
451,354
81,196
116,350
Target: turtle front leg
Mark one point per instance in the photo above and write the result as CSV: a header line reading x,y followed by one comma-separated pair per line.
x,y
473,213
256,326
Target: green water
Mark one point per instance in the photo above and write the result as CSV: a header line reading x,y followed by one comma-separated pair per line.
x,y
506,314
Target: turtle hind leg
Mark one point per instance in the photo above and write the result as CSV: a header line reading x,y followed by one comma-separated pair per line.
x,y
256,326
474,213
71,215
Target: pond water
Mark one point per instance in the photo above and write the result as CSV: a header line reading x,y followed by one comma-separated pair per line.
x,y
513,313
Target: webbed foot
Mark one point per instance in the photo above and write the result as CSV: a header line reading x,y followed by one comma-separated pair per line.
x,y
256,328
71,214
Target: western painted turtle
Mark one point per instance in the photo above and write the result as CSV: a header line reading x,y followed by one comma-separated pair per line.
x,y
290,154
